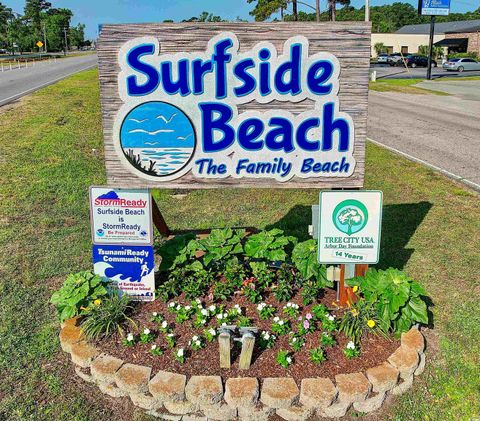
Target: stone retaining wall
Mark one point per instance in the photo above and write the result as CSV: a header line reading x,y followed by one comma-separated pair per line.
x,y
170,397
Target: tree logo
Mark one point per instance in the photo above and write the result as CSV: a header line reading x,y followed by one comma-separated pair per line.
x,y
350,216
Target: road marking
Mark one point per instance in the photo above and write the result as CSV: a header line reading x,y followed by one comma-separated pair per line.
x,y
36,88
449,174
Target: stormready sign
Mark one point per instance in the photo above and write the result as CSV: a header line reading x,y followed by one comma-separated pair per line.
x,y
349,226
200,105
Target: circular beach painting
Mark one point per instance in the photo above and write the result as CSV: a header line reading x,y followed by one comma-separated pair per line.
x,y
157,138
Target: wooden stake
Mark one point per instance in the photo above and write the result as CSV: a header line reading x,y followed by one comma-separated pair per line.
x,y
342,289
224,349
159,220
248,343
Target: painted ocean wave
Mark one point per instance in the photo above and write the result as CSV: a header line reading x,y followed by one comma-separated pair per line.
x,y
167,160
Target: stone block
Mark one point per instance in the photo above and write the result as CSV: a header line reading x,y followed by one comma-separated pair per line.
x,y
84,376
133,378
241,392
421,365
111,390
181,407
413,339
317,392
336,410
83,354
279,392
104,367
383,377
405,359
205,390
353,387
168,386
145,401
258,413
164,416
219,412
70,335
295,413
370,404
403,387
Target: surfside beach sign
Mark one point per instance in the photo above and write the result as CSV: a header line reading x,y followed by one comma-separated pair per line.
x,y
233,112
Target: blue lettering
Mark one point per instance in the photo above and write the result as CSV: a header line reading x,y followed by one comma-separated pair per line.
x,y
317,75
293,66
249,82
221,58
264,55
200,68
248,132
283,131
210,125
330,125
181,85
302,131
153,78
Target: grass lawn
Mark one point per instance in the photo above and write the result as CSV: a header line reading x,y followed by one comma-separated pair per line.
x,y
404,86
52,151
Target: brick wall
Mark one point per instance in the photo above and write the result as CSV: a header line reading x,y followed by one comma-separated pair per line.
x,y
473,40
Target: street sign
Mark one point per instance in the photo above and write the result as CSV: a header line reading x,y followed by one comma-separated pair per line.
x,y
434,7
121,216
349,227
39,44
130,268
212,105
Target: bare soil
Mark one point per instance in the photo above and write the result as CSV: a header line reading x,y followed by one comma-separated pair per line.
x,y
375,349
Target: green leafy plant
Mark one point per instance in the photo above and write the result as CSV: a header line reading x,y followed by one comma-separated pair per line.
x,y
306,325
170,339
156,318
130,340
183,313
297,342
283,290
280,327
269,245
170,249
156,350
319,311
284,358
329,323
106,318
210,334
253,293
292,310
266,310
351,350
244,321
317,355
399,300
360,319
78,293
223,290
180,355
164,327
196,343
262,274
146,336
327,340
266,340
220,244
304,257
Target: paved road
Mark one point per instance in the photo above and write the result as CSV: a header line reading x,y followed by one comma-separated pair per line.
x,y
440,131
19,82
388,72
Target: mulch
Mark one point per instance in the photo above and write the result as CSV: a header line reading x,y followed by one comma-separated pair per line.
x,y
375,349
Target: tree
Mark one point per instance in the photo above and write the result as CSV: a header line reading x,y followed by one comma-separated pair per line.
x,y
6,15
332,7
77,35
32,14
205,17
264,9
437,52
350,217
55,20
379,48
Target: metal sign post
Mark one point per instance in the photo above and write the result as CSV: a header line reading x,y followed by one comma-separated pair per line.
x,y
430,48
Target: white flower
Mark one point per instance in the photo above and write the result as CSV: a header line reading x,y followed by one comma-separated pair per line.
x,y
212,307
180,352
294,339
331,317
146,331
220,316
212,332
281,322
276,319
198,301
261,306
197,343
203,322
296,306
170,335
224,324
130,337
266,335
153,347
179,307
172,304
194,338
187,308
164,324
154,314
289,360
350,345
204,312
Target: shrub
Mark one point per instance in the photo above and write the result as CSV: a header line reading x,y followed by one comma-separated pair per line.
x,y
351,350
107,317
78,293
266,340
317,355
284,358
269,245
399,301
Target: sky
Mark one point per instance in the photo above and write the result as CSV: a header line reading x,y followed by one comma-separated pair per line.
x,y
95,12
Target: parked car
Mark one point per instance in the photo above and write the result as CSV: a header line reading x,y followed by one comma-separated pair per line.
x,y
418,61
382,58
395,59
3,51
461,64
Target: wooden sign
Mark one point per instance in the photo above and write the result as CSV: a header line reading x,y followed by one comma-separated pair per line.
x,y
243,105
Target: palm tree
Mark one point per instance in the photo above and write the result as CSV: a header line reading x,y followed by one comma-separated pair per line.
x,y
332,7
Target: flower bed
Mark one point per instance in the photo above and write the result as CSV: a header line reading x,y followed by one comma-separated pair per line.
x,y
268,281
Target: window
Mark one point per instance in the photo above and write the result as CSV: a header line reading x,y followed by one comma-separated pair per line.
x,y
404,49
389,49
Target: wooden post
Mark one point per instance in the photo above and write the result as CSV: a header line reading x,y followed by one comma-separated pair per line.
x,y
159,220
224,349
342,289
248,343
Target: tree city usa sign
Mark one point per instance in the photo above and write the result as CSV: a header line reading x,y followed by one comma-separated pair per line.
x,y
201,106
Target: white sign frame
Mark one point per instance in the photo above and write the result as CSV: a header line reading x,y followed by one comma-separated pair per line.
x,y
145,220
329,203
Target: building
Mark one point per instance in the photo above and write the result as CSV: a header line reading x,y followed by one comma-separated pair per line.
x,y
456,37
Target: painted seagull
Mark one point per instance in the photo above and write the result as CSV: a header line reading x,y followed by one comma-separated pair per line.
x,y
151,133
184,137
138,121
165,120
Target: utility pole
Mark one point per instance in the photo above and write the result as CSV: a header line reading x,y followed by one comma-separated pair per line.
x,y
317,10
44,39
66,40
367,10
295,11
430,48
